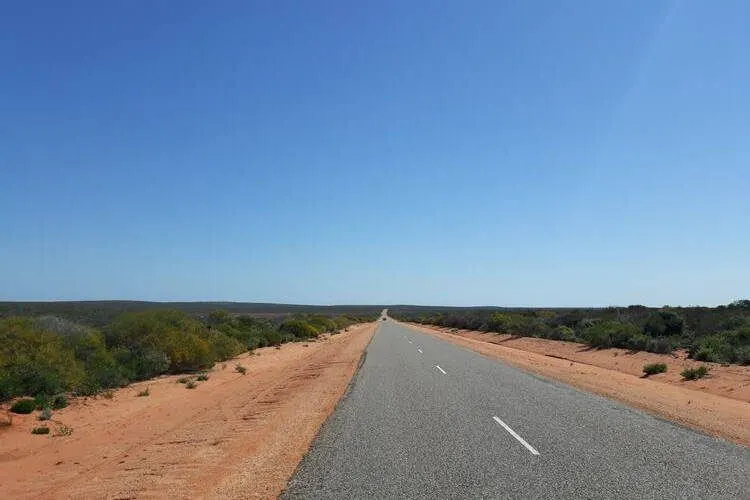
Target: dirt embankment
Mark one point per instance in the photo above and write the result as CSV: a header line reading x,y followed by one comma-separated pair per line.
x,y
718,404
233,436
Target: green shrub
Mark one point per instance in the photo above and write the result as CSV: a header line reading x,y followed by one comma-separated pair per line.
x,y
202,377
59,401
240,369
297,329
40,430
23,406
191,385
145,392
183,380
45,414
694,373
654,368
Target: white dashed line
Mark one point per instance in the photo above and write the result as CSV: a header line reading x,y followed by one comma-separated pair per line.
x,y
411,342
441,370
519,438
419,351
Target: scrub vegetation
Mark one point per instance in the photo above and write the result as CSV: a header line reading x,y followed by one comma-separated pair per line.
x,y
715,334
45,356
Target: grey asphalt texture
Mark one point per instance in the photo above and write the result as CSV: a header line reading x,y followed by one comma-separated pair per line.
x,y
405,430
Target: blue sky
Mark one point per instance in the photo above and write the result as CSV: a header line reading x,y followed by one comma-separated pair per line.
x,y
466,153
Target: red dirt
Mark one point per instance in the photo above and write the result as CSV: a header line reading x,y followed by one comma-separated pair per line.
x,y
718,404
233,436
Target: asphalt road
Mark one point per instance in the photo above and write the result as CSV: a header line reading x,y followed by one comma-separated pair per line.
x,y
426,419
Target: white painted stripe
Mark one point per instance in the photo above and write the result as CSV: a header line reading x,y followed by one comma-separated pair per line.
x,y
519,438
419,350
411,342
443,371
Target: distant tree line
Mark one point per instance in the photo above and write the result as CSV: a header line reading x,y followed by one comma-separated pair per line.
x,y
719,334
47,354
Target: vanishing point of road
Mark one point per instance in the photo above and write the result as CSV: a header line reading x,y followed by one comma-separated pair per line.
x,y
426,419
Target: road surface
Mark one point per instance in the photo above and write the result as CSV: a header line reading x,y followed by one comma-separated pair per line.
x,y
426,419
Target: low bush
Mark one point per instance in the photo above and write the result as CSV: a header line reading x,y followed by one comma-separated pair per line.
x,y
240,369
23,406
40,430
59,401
654,368
45,414
202,377
191,385
145,392
64,430
694,373
183,380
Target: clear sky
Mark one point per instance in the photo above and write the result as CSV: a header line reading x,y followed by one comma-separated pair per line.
x,y
431,152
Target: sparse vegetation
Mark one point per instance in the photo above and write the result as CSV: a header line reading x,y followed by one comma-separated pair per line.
x,y
183,380
23,406
240,369
202,377
191,385
145,392
654,368
63,430
694,373
40,430
45,414
719,334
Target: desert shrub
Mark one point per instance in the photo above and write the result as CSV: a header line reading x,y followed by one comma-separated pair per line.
x,y
694,373
654,368
664,324
59,401
45,414
240,369
191,385
731,346
610,334
562,332
145,392
183,380
63,430
108,394
35,361
183,341
40,430
23,406
202,377
293,329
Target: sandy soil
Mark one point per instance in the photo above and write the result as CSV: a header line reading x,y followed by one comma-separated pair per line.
x,y
718,404
233,436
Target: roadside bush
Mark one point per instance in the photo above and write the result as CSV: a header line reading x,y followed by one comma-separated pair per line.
x,y
59,401
45,414
40,430
202,377
293,329
23,406
191,385
654,368
240,369
610,334
694,373
145,392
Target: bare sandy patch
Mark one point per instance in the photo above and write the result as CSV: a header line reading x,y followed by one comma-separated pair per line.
x,y
233,436
718,404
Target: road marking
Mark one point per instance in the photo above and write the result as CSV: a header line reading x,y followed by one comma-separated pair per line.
x,y
411,342
443,371
519,438
419,351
